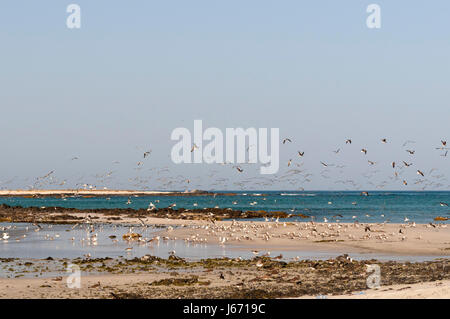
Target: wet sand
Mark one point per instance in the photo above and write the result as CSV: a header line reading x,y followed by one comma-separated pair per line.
x,y
393,239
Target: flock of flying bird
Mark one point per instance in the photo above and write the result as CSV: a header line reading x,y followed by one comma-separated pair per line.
x,y
296,175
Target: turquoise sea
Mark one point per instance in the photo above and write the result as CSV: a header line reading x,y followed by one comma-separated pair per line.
x,y
345,206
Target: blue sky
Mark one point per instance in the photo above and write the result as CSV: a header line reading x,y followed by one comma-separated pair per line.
x,y
135,71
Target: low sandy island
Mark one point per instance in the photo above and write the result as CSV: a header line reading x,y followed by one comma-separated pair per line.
x,y
94,192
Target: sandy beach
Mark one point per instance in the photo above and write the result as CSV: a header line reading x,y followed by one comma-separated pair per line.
x,y
149,277
401,239
425,290
396,239
48,288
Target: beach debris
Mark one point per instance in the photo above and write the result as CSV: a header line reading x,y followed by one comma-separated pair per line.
x,y
131,236
97,285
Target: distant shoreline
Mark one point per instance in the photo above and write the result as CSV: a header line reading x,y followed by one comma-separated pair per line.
x,y
103,193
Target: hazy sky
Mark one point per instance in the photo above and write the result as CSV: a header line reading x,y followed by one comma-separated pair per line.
x,y
138,69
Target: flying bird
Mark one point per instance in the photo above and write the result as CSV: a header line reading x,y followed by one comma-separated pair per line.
x,y
383,140
348,141
406,164
420,173
286,140
194,146
364,151
147,153
300,153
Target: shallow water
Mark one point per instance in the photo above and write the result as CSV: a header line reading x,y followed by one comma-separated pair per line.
x,y
62,241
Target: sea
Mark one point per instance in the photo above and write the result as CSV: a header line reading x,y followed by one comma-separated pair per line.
x,y
341,206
